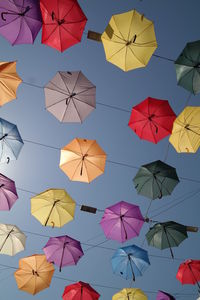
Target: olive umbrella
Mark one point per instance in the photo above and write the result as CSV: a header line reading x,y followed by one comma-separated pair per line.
x,y
189,272
34,274
130,261
70,96
155,180
122,221
63,251
187,67
185,135
80,291
164,296
8,193
130,294
166,235
152,119
10,141
53,207
12,239
82,160
9,81
129,40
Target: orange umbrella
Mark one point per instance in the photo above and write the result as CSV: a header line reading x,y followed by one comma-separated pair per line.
x,y
82,160
9,81
34,273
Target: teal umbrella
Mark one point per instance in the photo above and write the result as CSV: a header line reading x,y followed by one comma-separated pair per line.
x,y
166,235
155,180
188,67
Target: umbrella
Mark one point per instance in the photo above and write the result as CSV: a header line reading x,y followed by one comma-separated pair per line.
x,y
82,160
155,180
34,274
185,135
63,251
9,81
130,294
189,272
152,119
80,291
164,296
12,239
129,40
53,207
63,23
20,21
8,193
70,96
122,221
10,141
130,261
188,67
166,235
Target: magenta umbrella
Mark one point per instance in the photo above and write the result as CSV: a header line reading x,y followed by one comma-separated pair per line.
x,y
122,221
63,251
8,193
164,296
20,20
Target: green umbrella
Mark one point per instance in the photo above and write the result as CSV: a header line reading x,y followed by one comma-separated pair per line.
x,y
166,235
155,180
188,67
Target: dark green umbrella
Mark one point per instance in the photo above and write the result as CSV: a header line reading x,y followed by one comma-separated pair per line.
x,y
188,67
166,235
155,180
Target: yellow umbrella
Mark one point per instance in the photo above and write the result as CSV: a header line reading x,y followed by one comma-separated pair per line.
x,y
185,135
54,207
34,274
129,40
82,160
130,294
9,81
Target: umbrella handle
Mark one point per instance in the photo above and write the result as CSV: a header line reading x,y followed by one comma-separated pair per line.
x,y
53,15
95,36
8,160
2,15
192,229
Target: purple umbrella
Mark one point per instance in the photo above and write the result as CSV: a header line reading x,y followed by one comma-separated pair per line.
x,y
20,20
63,251
122,221
164,296
8,193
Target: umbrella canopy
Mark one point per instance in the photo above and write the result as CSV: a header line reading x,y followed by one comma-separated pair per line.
x,y
9,81
164,296
34,274
166,235
185,135
8,193
20,21
189,272
152,119
70,96
122,221
130,294
63,23
10,141
53,207
12,239
80,291
155,180
63,251
130,261
129,40
188,67
82,160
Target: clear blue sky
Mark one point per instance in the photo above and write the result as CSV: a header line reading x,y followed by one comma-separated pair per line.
x,y
176,22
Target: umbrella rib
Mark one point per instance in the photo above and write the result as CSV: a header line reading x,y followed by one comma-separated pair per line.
x,y
69,11
145,29
83,102
131,24
56,103
54,29
116,52
88,88
58,89
77,110
18,32
69,32
136,56
119,31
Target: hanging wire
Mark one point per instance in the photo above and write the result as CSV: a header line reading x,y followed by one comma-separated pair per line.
x,y
163,57
167,152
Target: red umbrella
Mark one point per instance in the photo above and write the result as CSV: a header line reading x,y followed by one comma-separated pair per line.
x,y
63,23
80,291
189,272
152,119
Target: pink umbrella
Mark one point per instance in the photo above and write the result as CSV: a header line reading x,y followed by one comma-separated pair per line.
x,y
8,193
164,296
63,251
122,221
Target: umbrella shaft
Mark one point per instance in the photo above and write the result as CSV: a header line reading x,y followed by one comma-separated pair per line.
x,y
169,243
194,277
62,257
6,239
49,214
131,268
